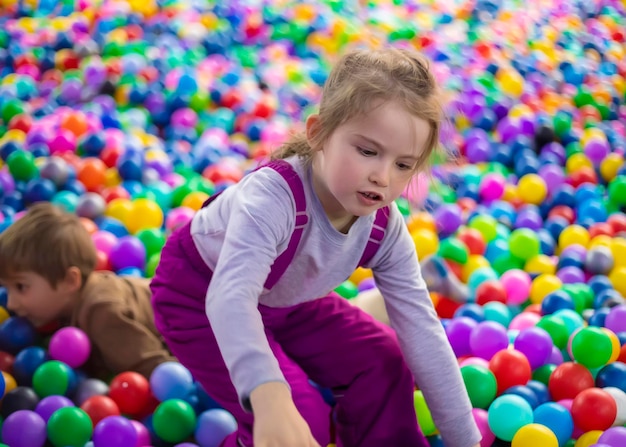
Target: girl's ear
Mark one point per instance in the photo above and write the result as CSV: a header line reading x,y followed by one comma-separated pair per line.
x,y
312,128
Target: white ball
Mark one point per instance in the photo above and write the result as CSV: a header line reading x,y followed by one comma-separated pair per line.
x,y
620,400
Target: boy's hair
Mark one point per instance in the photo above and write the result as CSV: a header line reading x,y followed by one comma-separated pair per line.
x,y
47,241
363,77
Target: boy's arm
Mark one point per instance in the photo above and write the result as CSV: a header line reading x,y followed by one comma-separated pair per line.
x,y
123,343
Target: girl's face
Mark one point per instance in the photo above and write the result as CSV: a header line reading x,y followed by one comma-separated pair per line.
x,y
368,161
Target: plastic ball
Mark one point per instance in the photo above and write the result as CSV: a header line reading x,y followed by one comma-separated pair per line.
x,y
568,380
612,375
557,418
114,430
594,409
24,428
69,427
17,333
143,214
517,284
131,392
424,418
481,385
591,347
542,286
171,380
90,206
510,367
615,320
48,405
536,344
19,398
458,331
532,189
99,407
70,345
524,244
507,414
27,361
536,435
620,400
129,252
174,420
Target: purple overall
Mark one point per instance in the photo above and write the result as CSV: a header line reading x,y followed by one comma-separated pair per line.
x,y
328,341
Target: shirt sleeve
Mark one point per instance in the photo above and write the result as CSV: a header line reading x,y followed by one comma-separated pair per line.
x,y
123,343
422,337
261,221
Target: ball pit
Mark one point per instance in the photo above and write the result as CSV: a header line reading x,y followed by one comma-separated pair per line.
x,y
131,113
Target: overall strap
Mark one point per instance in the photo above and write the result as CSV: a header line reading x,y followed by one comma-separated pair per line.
x,y
376,235
301,219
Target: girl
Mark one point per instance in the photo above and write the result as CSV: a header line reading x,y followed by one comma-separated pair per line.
x,y
243,294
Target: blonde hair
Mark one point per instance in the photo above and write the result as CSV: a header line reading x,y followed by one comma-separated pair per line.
x,y
47,241
362,78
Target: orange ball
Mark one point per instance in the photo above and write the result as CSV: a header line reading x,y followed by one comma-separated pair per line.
x,y
92,174
76,123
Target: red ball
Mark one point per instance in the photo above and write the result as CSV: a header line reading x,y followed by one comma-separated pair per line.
x,y
511,368
583,175
130,391
114,192
102,262
99,407
473,239
568,380
491,290
110,155
231,99
563,211
617,221
21,122
594,409
223,172
600,228
6,362
446,307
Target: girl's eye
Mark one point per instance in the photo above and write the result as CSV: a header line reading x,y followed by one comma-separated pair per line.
x,y
366,152
404,167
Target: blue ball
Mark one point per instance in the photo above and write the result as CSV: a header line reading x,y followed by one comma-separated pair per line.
x,y
598,317
557,418
26,362
598,283
471,310
541,391
171,380
555,301
213,427
613,374
39,190
4,297
525,393
17,333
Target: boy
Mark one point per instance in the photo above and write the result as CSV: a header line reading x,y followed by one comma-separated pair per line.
x,y
47,261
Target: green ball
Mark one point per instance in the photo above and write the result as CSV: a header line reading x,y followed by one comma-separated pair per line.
x,y
22,165
481,385
51,378
174,420
153,239
347,289
486,225
556,327
152,264
69,427
66,200
403,206
11,108
524,244
424,418
453,249
543,373
592,347
617,190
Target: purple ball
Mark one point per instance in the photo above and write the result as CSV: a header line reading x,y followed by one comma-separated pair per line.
x,y
614,436
70,345
458,331
571,275
24,428
7,184
129,252
50,404
616,319
552,175
214,426
487,338
115,431
556,357
448,218
536,344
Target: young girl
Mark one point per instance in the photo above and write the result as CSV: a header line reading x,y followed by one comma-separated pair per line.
x,y
243,294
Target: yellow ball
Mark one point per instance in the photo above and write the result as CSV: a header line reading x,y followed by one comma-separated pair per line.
x,y
421,220
512,83
359,275
426,242
144,213
574,234
119,209
542,285
601,240
618,248
532,189
9,382
4,314
535,435
610,166
474,262
618,279
577,161
112,177
520,110
588,439
194,200
615,344
541,264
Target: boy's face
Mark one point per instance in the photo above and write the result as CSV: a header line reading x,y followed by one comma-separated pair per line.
x,y
31,296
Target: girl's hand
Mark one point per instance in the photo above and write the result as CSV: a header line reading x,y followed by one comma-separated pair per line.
x,y
277,422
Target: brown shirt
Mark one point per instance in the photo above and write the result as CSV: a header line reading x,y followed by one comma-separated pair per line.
x,y
116,314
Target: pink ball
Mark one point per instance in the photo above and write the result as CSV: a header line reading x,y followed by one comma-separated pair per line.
x,y
492,186
482,422
178,217
71,346
104,241
517,285
524,320
63,141
476,361
143,435
185,117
